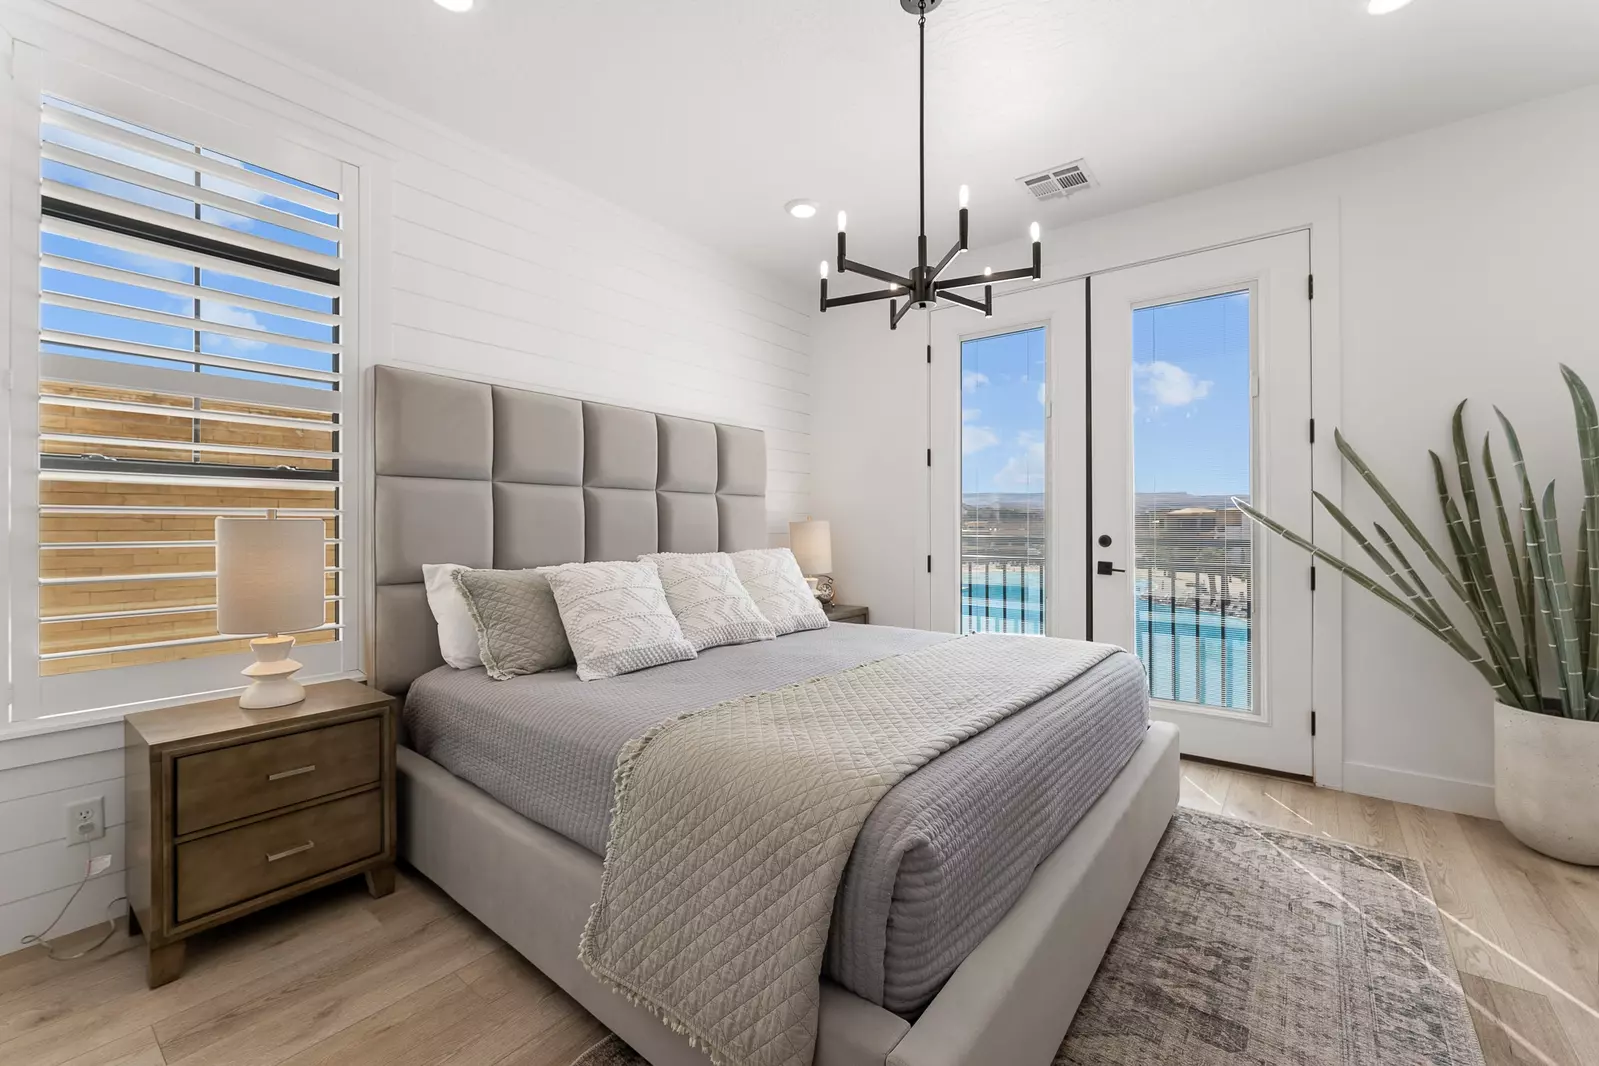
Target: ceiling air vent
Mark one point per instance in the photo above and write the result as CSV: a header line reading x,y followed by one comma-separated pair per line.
x,y
1058,182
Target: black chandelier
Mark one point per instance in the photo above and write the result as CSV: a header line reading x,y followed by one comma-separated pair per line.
x,y
925,286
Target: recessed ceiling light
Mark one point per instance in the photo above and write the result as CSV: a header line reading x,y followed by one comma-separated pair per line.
x,y
455,5
801,208
1383,7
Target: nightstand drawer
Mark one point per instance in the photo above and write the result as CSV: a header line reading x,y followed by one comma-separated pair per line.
x,y
239,864
219,786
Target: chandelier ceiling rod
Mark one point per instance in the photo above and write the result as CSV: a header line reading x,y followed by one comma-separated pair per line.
x,y
925,286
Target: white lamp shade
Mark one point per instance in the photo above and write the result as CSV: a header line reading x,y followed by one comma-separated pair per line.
x,y
812,545
270,575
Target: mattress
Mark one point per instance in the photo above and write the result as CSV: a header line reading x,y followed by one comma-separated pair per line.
x,y
942,857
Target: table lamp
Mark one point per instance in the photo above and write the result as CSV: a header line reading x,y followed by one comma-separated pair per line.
x,y
269,585
811,541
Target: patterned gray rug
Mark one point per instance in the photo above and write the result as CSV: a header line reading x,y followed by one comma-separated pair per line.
x,y
1248,946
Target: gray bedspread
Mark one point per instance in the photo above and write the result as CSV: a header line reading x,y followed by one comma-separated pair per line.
x,y
941,859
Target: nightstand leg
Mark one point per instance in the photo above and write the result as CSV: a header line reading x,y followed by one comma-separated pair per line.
x,y
166,963
380,880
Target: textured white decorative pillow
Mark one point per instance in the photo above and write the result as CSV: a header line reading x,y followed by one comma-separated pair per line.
x,y
457,634
773,579
711,605
617,618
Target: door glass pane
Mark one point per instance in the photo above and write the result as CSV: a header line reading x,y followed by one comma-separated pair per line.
x,y
1003,433
1192,415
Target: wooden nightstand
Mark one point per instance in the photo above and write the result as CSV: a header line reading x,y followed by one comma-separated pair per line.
x,y
231,810
843,612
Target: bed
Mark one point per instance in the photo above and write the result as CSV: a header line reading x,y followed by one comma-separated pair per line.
x,y
976,904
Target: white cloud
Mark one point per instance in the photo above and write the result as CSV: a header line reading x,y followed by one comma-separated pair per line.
x,y
973,380
970,414
1024,471
233,316
1169,385
976,438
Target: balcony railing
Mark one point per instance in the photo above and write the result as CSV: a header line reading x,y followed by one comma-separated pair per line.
x,y
1194,628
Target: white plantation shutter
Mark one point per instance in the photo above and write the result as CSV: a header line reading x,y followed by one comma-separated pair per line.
x,y
191,365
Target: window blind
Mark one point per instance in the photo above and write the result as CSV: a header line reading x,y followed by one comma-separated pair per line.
x,y
190,367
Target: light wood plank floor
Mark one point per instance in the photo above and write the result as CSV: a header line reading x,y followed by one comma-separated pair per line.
x,y
410,980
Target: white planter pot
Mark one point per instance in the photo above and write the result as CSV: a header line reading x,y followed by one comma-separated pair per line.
x,y
1546,782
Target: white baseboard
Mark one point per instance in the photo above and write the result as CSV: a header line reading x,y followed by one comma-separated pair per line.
x,y
1423,790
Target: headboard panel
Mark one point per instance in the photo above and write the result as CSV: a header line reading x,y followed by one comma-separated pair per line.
x,y
491,476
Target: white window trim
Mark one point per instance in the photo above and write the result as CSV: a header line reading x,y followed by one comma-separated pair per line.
x,y
267,140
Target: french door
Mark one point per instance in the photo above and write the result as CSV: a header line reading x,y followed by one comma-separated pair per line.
x,y
1008,478
1200,397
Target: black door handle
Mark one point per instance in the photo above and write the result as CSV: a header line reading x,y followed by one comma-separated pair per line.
x,y
1105,569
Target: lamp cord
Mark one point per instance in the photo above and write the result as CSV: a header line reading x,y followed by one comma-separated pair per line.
x,y
49,948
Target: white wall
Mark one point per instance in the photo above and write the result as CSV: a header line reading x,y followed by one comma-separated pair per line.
x,y
480,266
1466,270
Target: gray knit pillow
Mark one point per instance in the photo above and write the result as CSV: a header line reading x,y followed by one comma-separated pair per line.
x,y
518,626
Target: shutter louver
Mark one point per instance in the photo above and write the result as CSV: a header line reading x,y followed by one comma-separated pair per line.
x,y
190,367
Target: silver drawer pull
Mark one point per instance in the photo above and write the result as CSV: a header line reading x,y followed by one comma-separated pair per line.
x,y
296,772
307,846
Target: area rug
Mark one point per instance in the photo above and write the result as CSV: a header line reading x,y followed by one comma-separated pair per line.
x,y
1249,946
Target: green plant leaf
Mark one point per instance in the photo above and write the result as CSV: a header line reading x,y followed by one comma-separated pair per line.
x,y
1588,448
1561,617
1496,635
1427,606
1538,567
1493,604
1451,636
1521,575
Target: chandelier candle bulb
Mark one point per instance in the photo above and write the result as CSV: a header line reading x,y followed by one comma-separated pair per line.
x,y
966,195
842,218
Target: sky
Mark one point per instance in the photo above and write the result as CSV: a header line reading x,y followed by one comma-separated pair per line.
x,y
171,336
1191,403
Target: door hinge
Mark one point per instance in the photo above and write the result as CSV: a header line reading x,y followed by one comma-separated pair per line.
x,y
929,564
1313,431
929,457
1310,285
1313,579
929,355
1312,723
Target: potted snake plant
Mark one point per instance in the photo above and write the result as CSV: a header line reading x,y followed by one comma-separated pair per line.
x,y
1536,645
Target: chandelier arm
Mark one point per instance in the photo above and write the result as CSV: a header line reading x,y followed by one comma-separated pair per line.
x,y
949,257
985,279
850,266
863,297
964,301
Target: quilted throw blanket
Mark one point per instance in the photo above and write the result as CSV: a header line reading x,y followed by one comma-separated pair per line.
x,y
733,825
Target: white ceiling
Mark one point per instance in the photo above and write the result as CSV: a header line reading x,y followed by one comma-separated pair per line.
x,y
709,114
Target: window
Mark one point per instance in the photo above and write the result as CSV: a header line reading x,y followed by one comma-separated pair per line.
x,y
1195,584
1002,483
190,366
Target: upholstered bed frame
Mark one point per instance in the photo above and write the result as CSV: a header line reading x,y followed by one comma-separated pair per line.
x,y
492,476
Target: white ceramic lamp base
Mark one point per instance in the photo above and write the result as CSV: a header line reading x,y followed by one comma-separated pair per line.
x,y
271,676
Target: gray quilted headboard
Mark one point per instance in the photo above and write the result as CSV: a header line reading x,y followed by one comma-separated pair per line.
x,y
490,476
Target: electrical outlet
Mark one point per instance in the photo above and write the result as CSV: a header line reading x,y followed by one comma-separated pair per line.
x,y
85,820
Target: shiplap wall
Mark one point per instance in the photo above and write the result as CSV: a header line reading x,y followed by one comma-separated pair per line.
x,y
485,268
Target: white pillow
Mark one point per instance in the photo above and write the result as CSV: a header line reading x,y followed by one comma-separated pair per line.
x,y
773,579
457,634
617,618
710,604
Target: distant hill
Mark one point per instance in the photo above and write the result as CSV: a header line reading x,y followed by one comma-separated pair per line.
x,y
1147,501
1021,501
